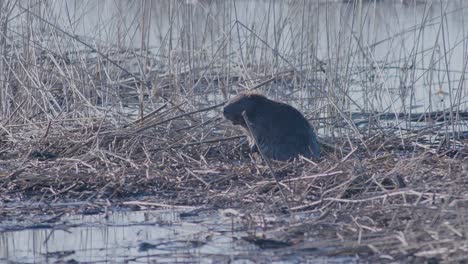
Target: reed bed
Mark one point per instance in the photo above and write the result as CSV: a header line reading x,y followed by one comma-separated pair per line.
x,y
374,197
108,124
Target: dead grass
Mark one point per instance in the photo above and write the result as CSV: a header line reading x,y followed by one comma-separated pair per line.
x,y
389,202
103,124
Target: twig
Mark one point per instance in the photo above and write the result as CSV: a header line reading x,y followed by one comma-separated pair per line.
x,y
267,161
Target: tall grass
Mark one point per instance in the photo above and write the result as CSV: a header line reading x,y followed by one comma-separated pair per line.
x,y
120,60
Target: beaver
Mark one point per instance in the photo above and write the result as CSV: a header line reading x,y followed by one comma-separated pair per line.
x,y
281,131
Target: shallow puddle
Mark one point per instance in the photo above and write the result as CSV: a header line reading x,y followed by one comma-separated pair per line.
x,y
138,237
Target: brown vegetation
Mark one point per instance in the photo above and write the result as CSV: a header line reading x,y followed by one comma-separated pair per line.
x,y
107,125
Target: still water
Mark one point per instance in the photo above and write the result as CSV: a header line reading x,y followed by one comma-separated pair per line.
x,y
138,237
121,237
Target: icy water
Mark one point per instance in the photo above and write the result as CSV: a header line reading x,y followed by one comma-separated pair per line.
x,y
138,237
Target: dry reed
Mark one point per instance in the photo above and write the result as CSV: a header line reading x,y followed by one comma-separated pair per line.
x,y
86,120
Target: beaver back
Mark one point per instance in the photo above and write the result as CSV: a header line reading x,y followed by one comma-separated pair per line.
x,y
281,131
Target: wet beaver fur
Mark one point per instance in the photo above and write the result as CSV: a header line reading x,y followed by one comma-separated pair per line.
x,y
281,130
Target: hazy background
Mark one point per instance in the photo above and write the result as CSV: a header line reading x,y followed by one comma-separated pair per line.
x,y
325,56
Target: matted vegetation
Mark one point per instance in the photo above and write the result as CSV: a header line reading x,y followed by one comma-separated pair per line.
x,y
112,124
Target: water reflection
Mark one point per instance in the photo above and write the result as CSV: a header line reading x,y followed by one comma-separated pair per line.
x,y
120,238
140,237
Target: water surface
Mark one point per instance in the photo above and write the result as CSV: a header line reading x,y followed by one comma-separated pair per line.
x,y
140,236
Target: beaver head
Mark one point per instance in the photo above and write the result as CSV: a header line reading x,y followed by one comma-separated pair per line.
x,y
245,101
